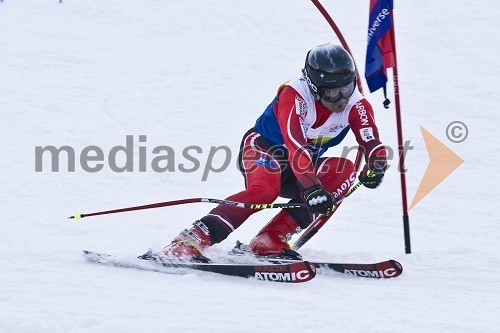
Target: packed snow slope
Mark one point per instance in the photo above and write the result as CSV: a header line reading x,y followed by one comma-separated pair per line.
x,y
184,73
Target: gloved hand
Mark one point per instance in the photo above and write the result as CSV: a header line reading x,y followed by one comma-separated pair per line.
x,y
373,172
318,200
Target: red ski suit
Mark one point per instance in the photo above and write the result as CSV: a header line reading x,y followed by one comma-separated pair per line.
x,y
272,169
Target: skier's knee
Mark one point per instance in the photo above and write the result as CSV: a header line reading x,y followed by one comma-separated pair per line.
x,y
338,177
264,193
343,168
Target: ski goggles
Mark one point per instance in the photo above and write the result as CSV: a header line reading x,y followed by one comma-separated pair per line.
x,y
334,95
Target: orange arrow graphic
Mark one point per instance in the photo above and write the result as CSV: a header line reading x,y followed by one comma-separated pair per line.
x,y
442,163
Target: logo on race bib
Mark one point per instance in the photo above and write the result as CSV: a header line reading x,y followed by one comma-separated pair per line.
x,y
301,107
335,128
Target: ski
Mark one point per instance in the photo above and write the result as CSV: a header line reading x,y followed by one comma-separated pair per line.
x,y
296,272
382,270
280,270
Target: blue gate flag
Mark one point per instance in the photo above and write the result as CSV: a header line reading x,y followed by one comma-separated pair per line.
x,y
380,53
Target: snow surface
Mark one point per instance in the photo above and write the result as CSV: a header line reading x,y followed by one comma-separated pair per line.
x,y
186,73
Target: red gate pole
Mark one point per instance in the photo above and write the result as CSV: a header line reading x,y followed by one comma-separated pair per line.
x,y
402,169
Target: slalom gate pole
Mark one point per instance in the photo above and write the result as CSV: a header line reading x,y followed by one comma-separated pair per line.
x,y
402,169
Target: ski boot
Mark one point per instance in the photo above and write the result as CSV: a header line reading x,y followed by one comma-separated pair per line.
x,y
272,241
188,245
283,256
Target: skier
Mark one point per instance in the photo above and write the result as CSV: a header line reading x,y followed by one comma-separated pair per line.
x,y
281,156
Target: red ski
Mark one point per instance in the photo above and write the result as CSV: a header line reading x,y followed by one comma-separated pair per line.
x,y
382,270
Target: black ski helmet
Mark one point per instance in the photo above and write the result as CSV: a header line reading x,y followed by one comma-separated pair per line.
x,y
329,66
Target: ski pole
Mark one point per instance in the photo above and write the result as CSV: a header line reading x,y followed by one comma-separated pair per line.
x,y
320,221
192,200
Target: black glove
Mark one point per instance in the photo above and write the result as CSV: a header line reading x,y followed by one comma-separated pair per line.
x,y
373,172
318,200
370,178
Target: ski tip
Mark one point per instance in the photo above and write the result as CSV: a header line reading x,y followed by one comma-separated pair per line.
x,y
397,266
389,269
